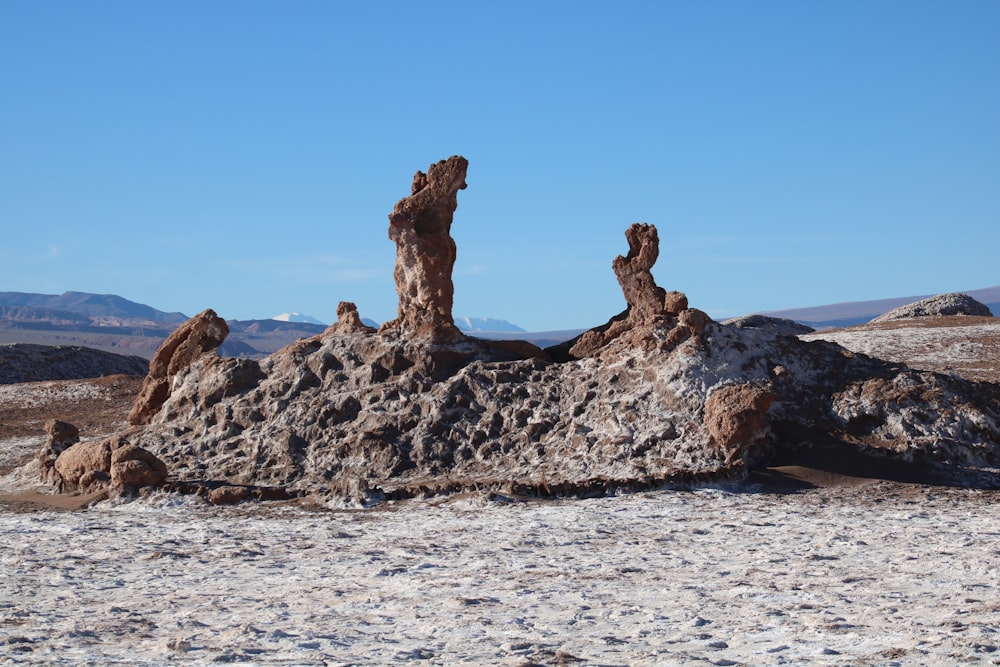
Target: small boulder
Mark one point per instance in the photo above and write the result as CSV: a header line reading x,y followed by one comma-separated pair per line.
x,y
228,495
736,418
61,436
77,464
111,461
135,467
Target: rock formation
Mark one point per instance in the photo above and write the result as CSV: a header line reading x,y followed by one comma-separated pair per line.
x,y
60,436
112,462
776,325
348,321
650,307
420,225
659,394
936,306
736,417
200,334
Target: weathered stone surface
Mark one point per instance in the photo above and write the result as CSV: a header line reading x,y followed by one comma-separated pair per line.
x,y
60,436
661,393
420,225
135,467
83,459
650,307
348,321
112,461
940,305
201,334
736,417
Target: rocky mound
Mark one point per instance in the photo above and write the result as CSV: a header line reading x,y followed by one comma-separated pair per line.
x,y
660,393
937,306
24,362
776,325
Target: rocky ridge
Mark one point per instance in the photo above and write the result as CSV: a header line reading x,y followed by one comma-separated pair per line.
x,y
661,393
26,362
937,306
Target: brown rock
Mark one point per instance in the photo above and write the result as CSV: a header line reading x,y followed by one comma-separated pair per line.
x,y
76,465
348,321
649,306
136,467
61,436
736,418
646,300
420,225
112,460
675,302
228,495
199,335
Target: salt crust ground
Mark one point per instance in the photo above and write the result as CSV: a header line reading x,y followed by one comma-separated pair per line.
x,y
967,346
874,574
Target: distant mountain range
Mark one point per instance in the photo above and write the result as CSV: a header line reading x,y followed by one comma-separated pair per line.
x,y
111,323
466,324
485,324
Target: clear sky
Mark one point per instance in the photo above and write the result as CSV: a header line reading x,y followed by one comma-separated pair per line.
x,y
244,155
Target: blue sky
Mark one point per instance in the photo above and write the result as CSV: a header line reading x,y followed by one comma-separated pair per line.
x,y
245,155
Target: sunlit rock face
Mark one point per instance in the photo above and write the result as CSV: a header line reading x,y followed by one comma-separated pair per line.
x,y
199,335
420,225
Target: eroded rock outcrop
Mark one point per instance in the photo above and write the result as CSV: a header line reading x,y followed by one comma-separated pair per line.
x,y
736,417
112,462
661,393
201,334
348,321
650,307
420,225
60,436
938,306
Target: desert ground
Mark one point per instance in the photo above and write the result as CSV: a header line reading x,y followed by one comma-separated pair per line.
x,y
797,566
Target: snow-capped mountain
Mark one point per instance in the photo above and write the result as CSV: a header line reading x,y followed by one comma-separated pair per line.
x,y
475,324
296,317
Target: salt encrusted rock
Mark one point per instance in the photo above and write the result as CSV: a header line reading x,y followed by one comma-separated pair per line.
x,y
940,305
348,321
420,225
201,334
